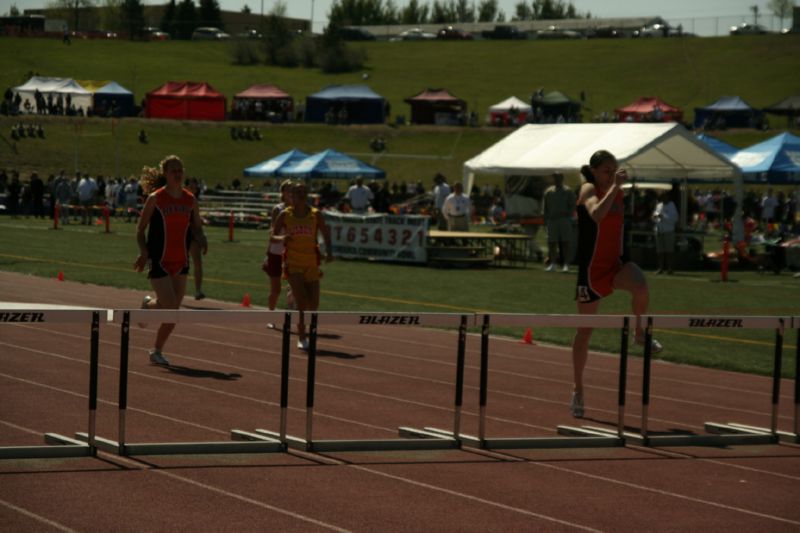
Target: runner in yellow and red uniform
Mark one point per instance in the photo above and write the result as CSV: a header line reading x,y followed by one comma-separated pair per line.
x,y
298,227
168,214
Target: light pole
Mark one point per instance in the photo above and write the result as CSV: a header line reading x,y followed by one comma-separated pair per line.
x,y
311,20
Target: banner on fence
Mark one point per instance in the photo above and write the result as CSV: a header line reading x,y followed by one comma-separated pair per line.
x,y
379,237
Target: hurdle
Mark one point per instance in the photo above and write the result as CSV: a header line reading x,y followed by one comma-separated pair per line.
x,y
572,436
717,434
59,445
409,438
241,441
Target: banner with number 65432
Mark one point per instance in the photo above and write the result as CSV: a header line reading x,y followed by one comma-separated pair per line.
x,y
379,237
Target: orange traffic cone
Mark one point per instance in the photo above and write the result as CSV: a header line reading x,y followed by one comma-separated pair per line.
x,y
60,276
528,337
246,300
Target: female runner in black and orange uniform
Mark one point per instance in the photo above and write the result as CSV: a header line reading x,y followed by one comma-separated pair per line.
x,y
168,214
602,259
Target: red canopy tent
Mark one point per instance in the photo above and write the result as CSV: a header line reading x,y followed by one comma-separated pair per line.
x,y
437,106
649,109
185,100
262,101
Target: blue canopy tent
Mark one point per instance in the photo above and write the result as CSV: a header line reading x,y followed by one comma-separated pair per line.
x,y
270,167
721,147
115,100
728,112
774,161
346,104
331,164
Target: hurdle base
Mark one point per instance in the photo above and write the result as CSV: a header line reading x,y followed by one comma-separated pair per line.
x,y
720,440
56,446
431,441
738,429
260,445
588,440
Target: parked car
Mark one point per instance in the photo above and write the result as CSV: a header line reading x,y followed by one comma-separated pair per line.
x,y
605,33
748,29
151,33
503,32
414,34
354,33
450,33
249,34
102,34
554,32
209,34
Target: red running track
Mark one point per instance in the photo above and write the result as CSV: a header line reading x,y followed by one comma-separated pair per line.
x,y
369,382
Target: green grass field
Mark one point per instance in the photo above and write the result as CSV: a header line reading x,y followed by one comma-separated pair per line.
x,y
88,254
685,72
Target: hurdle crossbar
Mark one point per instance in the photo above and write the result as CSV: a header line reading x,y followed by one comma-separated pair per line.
x,y
572,436
718,434
410,438
241,441
58,445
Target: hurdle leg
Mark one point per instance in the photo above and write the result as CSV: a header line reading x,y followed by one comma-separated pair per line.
x,y
484,379
93,367
123,380
285,346
623,378
310,379
797,388
462,343
776,379
648,341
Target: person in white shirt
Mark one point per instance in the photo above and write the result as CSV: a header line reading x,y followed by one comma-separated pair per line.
x,y
768,205
456,209
665,217
359,196
87,190
440,192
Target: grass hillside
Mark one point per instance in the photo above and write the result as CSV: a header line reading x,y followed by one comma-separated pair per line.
x,y
685,72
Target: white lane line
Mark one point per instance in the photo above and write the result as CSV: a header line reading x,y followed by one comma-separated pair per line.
x,y
37,517
474,498
665,493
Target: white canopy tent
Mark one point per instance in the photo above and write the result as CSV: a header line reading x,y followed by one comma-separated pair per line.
x,y
657,151
508,107
79,96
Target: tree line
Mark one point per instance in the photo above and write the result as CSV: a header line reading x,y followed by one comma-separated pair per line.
x,y
386,12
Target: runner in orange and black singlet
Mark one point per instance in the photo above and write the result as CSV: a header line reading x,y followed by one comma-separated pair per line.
x,y
168,234
600,251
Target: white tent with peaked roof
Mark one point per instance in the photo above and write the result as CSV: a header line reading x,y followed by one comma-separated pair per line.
x,y
655,151
80,97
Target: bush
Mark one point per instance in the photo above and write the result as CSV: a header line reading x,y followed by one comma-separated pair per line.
x,y
245,52
341,58
305,51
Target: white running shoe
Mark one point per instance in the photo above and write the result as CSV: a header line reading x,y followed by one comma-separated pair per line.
x,y
270,325
550,268
576,405
145,301
157,358
655,346
565,268
302,345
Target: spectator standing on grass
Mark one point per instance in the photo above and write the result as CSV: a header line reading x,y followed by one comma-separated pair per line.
x,y
665,217
559,206
768,206
359,196
193,186
456,209
131,192
64,196
13,195
168,214
87,191
298,227
441,191
273,262
37,195
603,265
